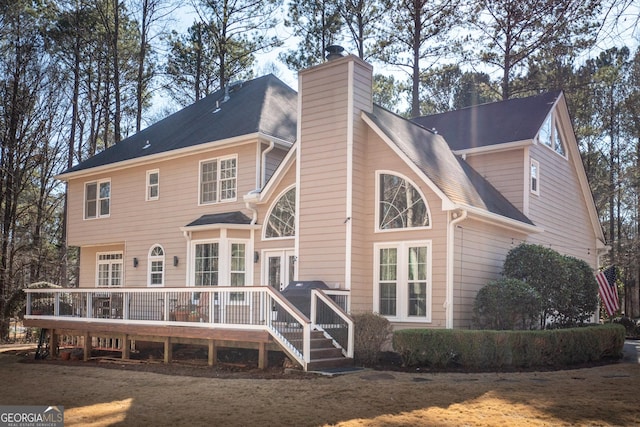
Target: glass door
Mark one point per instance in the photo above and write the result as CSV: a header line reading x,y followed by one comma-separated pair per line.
x,y
279,268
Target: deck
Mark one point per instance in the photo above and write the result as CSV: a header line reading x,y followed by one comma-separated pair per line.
x,y
247,317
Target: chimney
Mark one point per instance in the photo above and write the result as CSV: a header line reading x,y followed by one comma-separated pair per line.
x,y
332,146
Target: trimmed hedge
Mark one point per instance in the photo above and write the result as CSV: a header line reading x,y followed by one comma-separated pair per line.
x,y
489,350
506,304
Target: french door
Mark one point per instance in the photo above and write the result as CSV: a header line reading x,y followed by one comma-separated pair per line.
x,y
279,267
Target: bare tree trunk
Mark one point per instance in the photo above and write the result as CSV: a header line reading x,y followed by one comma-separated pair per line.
x,y
415,73
117,114
142,55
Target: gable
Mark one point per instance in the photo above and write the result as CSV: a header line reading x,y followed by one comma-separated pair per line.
x,y
450,177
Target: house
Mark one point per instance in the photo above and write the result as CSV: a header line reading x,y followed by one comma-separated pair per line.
x,y
222,204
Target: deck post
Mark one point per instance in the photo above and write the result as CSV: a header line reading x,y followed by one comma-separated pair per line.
x,y
126,346
213,356
86,346
263,355
168,350
53,344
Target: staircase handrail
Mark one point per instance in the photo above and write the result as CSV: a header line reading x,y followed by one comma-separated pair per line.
x,y
319,294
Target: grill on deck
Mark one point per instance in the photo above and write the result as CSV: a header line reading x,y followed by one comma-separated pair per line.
x,y
299,294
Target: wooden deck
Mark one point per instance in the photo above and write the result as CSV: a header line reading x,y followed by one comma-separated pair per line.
x,y
256,317
169,335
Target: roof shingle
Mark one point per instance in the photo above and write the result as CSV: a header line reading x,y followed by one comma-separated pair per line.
x,y
265,105
516,119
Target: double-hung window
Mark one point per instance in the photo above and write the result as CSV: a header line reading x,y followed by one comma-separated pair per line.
x,y
109,270
535,177
218,181
153,185
403,280
97,199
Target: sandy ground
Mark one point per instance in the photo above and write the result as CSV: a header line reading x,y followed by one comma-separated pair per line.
x,y
95,396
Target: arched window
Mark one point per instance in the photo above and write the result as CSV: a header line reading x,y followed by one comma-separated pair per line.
x,y
156,266
281,221
400,204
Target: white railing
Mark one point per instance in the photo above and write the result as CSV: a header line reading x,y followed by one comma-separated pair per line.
x,y
328,315
247,308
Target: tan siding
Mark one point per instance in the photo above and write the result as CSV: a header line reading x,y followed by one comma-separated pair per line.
x,y
322,173
480,250
263,209
140,223
560,209
505,171
379,156
273,159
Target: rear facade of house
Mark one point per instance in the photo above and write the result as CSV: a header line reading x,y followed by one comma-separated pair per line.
x,y
258,185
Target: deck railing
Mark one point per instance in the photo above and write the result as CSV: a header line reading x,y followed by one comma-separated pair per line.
x,y
248,307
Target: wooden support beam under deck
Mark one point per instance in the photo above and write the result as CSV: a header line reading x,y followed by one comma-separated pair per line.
x,y
126,346
212,353
263,356
53,343
87,345
168,350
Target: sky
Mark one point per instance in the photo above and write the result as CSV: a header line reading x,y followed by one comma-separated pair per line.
x,y
620,29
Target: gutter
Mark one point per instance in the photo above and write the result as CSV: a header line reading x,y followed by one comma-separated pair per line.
x,y
448,302
263,163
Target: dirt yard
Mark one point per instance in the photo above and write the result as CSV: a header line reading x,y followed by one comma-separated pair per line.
x,y
201,396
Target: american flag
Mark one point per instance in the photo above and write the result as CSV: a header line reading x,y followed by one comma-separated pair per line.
x,y
608,290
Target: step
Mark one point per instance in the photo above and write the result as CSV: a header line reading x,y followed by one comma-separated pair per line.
x,y
321,343
332,362
325,353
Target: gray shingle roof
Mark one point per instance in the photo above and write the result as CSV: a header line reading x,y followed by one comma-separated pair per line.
x,y
512,120
235,217
452,175
265,104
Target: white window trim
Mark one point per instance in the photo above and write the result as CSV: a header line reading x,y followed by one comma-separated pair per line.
x,y
273,205
377,228
218,160
224,260
149,185
97,279
84,200
402,290
554,130
150,260
535,163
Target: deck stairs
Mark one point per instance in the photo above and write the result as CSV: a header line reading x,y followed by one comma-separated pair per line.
x,y
42,352
324,354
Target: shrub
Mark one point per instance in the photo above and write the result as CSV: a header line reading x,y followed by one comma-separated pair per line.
x,y
489,350
370,333
506,304
566,285
632,327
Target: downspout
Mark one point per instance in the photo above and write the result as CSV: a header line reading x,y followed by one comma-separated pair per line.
x,y
254,210
263,166
448,302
